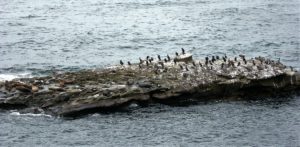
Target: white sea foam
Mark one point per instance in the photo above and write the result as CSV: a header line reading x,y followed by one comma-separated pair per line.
x,y
9,77
29,114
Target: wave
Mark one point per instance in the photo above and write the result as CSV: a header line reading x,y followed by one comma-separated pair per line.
x,y
29,114
9,77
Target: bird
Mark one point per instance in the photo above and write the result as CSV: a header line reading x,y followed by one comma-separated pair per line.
x,y
181,67
239,63
183,51
224,59
141,61
217,57
186,68
147,57
129,63
194,64
169,59
176,54
222,65
121,62
165,60
158,56
235,59
213,59
253,62
200,64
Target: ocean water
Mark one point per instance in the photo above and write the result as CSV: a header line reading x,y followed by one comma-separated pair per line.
x,y
39,37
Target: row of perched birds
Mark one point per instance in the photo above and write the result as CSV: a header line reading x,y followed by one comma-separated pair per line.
x,y
149,59
224,61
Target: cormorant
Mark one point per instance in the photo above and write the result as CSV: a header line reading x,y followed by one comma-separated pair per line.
x,y
158,56
169,59
121,62
183,51
129,63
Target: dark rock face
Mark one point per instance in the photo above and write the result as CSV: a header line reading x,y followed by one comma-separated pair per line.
x,y
169,81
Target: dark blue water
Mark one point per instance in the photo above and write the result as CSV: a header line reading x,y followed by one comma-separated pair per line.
x,y
37,37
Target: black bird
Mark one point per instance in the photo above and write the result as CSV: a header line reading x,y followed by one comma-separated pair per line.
x,y
224,59
213,59
166,60
151,59
186,68
253,62
206,62
200,64
225,56
141,61
235,59
176,54
147,57
239,63
129,63
222,65
245,61
183,51
217,57
181,67
194,64
121,62
169,59
158,56
206,59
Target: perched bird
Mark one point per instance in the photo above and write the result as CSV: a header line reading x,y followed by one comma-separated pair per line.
x,y
141,61
121,62
217,57
225,56
165,60
181,67
235,59
129,63
213,59
200,64
194,64
222,65
158,56
176,54
239,63
147,57
183,51
186,68
224,59
169,59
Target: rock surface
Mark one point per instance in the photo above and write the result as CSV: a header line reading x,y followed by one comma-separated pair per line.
x,y
150,81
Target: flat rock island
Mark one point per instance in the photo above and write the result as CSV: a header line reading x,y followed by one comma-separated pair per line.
x,y
161,79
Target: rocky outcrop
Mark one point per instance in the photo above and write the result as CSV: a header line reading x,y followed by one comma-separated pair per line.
x,y
169,81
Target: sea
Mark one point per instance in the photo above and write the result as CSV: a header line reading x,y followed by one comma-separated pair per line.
x,y
42,37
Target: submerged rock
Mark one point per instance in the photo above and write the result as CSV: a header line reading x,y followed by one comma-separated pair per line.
x,y
168,81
